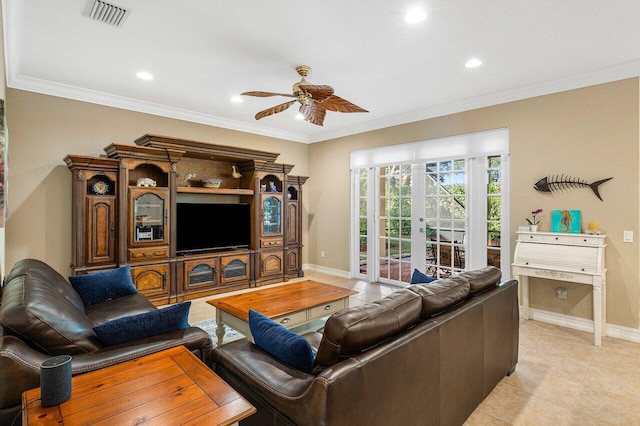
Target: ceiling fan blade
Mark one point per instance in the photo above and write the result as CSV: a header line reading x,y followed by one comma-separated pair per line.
x,y
313,113
266,94
274,110
337,104
317,92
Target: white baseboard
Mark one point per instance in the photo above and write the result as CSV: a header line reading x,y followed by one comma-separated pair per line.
x,y
325,270
582,324
624,333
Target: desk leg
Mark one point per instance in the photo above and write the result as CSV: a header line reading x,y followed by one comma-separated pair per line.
x,y
524,281
597,314
604,306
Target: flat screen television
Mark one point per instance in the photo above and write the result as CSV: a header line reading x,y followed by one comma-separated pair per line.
x,y
212,227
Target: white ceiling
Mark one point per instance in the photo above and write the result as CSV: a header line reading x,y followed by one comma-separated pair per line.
x,y
202,52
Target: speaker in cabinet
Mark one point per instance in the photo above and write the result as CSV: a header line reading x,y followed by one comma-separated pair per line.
x,y
55,380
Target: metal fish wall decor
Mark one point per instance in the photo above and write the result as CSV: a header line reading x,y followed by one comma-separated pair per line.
x,y
556,183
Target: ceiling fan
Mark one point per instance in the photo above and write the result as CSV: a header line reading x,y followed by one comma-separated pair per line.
x,y
315,100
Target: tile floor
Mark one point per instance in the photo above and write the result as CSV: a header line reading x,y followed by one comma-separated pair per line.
x,y
560,379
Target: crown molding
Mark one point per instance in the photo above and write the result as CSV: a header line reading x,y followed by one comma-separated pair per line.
x,y
80,94
605,75
620,72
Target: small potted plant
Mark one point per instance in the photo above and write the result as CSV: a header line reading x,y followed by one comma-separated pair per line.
x,y
534,223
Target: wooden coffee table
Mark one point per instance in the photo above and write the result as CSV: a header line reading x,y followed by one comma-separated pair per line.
x,y
290,305
166,388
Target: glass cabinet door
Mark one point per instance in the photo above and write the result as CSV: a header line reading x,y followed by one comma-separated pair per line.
x,y
271,215
148,217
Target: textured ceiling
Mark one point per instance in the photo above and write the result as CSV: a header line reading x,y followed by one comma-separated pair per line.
x,y
202,52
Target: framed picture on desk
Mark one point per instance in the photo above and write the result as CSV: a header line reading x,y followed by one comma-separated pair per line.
x,y
566,221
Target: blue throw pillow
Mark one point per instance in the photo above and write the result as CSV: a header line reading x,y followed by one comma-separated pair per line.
x,y
283,344
420,278
102,286
141,326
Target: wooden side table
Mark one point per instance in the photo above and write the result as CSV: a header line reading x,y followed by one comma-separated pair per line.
x,y
166,388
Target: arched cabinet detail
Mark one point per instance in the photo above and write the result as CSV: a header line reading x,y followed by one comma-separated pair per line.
x,y
152,280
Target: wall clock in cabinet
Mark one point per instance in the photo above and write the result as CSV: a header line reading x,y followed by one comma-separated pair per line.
x,y
95,216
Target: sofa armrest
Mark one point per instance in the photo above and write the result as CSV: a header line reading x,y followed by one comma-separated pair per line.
x,y
20,364
195,339
243,358
266,382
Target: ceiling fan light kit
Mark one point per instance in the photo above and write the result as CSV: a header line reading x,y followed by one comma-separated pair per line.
x,y
315,100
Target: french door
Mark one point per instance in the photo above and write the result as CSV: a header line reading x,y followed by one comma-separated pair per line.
x,y
442,213
440,217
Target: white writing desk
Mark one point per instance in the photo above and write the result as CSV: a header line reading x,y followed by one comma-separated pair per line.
x,y
564,257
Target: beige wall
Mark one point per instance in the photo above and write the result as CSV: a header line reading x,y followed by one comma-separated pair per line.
x,y
45,128
590,133
3,90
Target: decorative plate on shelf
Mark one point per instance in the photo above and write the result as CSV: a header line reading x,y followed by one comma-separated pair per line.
x,y
100,187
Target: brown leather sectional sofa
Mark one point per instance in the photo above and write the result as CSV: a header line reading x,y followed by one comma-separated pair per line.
x,y
426,355
41,315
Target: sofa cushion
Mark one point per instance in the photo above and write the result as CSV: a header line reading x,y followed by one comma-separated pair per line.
x,y
105,285
124,306
482,279
280,342
147,324
38,306
441,294
420,278
140,326
352,330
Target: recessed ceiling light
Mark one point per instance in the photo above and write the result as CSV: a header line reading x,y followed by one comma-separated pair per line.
x,y
237,99
299,116
473,63
144,75
415,15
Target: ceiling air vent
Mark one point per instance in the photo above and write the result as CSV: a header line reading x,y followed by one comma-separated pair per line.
x,y
108,13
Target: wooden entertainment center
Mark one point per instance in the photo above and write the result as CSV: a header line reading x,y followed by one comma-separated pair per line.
x,y
124,213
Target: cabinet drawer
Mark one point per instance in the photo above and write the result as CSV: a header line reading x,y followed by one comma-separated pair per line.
x,y
531,237
561,239
590,241
292,319
326,309
273,242
149,253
